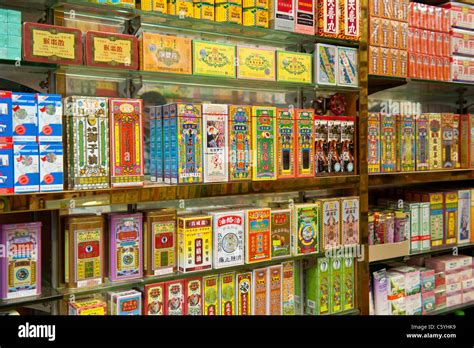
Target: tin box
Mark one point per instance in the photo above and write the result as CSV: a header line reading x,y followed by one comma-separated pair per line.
x,y
154,299
111,50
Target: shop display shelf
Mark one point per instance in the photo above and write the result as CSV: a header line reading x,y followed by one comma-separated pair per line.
x,y
22,66
377,180
450,310
160,192
48,294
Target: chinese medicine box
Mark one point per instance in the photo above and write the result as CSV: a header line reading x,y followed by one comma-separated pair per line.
x,y
306,228
286,147
281,233
194,243
193,296
111,50
227,293
50,113
154,299
258,238
240,143
215,152
264,142
244,293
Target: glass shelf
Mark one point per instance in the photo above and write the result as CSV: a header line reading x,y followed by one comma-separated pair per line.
x,y
47,295
410,178
449,310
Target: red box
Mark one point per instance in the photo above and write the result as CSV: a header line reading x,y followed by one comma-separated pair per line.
x,y
411,14
446,44
426,67
431,43
432,69
430,23
174,297
439,42
193,299
424,41
446,22
412,64
56,45
423,15
415,41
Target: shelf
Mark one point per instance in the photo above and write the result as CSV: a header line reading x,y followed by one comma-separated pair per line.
x,y
377,180
450,310
153,193
47,295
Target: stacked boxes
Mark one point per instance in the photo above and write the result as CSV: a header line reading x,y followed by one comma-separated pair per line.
x,y
255,13
204,9
10,39
229,11
339,19
336,65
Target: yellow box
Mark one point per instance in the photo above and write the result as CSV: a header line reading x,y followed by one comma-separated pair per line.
x,y
263,4
203,10
123,3
165,53
294,67
256,63
154,5
213,59
256,17
87,306
229,12
181,8
235,2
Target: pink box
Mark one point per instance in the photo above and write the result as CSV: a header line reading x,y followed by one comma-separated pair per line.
x,y
454,299
468,296
468,284
465,274
453,288
428,301
460,15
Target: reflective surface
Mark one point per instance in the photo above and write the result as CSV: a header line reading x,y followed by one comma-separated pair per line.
x,y
411,178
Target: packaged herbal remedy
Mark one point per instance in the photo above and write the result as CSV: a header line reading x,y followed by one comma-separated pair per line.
x,y
274,290
255,63
126,133
154,300
464,216
347,144
294,67
193,296
227,293
20,267
240,143
388,128
174,297
336,294
260,292
159,235
213,59
84,250
182,127
228,238
282,14
88,142
456,153
326,62
306,228
258,235
304,128
467,143
215,152
87,306
451,217
244,294
436,200
348,287
373,142
330,219
211,295
281,233
435,142
422,142
321,145
288,288
156,144
305,17
286,144
406,143
264,142
448,147
350,221
334,145
194,243
317,288
125,251
126,303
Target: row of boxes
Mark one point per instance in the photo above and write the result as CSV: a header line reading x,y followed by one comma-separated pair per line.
x,y
388,33
427,67
389,9
428,17
388,61
429,42
10,38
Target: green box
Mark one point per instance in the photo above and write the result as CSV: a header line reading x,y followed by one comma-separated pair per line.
x,y
317,280
335,288
298,287
14,16
348,286
13,53
4,40
14,42
14,29
3,16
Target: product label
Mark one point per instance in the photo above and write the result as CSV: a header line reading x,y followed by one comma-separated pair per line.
x,y
88,258
240,143
264,143
258,235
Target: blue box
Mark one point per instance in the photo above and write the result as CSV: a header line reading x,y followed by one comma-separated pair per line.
x,y
159,143
6,168
13,53
150,150
51,167
50,118
6,128
26,167
14,29
25,117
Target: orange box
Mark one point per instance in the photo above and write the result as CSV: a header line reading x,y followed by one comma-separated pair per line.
x,y
415,14
375,31
375,8
447,69
384,61
431,17
386,9
439,41
425,67
424,41
411,64
395,33
433,68
446,44
403,63
415,41
445,24
404,16
411,14
423,15
386,37
395,9
394,66
439,68
438,24
403,30
431,43
374,60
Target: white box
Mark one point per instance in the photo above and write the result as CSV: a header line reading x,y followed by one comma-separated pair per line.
x,y
215,147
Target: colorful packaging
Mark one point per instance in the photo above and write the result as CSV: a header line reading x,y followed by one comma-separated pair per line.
x,y
6,118
88,142
182,8
349,21
126,303
306,228
260,293
87,306
435,141
304,129
274,290
21,264
462,69
347,144
447,134
460,15
50,114
6,168
336,284
375,60
193,296
350,221
425,232
334,145
214,118
204,10
406,143
305,17
282,14
126,252
228,11
228,236
374,142
318,293
286,143
244,294
213,59
347,67
348,283
328,17
154,300
154,5
84,251
258,235
174,297
159,235
25,117
326,64
182,128
388,141
26,167
255,17
467,147
194,243
451,217
455,153
281,233
288,288
436,218
294,67
331,224
165,53
126,138
464,216
264,142
422,142
462,42
321,145
240,143
211,295
227,293
380,289
256,63
51,167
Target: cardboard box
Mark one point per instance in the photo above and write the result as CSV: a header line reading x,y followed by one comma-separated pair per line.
x,y
264,142
51,176
244,294
424,225
435,141
318,283
336,287
194,243
274,283
282,14
230,12
87,306
50,113
412,282
406,142
182,8
374,142
154,5
326,62
281,233
451,217
240,143
328,18
154,299
305,17
256,63
375,60
462,69
6,168
428,302
126,303
203,10
165,53
321,145
25,117
215,151
386,251
422,142
126,251
414,304
350,221
460,15
348,283
286,143
448,147
255,17
388,141
211,295
375,26
26,167
467,143
380,290
304,132
174,297
334,145
347,67
88,147
260,292
288,288
6,112
331,223
384,61
464,216
193,296
127,159
294,67
306,228
347,144
258,235
213,59
21,265
462,42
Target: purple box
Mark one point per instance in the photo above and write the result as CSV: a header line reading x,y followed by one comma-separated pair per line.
x,y
125,259
20,260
